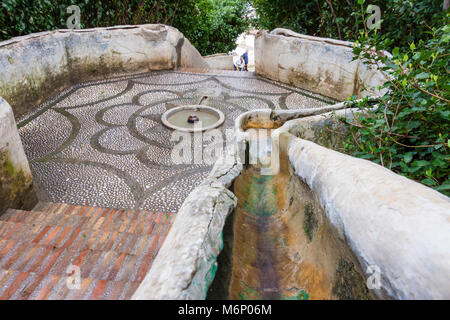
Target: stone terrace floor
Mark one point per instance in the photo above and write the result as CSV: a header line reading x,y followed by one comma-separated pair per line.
x,y
103,144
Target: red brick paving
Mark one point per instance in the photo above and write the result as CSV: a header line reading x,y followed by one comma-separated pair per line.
x,y
113,248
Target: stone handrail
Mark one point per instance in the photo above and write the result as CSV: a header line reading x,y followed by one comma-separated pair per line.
x,y
393,224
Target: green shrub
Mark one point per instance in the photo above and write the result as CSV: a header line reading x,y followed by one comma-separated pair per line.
x,y
403,20
407,130
211,25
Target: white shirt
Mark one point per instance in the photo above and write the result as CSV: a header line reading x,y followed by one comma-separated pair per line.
x,y
240,63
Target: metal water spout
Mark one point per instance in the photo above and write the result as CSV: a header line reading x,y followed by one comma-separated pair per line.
x,y
203,99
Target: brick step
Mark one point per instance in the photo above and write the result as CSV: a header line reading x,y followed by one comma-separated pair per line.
x,y
8,213
16,285
106,265
37,222
77,238
41,206
133,221
113,248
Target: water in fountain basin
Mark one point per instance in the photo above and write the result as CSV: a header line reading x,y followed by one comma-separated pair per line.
x,y
179,118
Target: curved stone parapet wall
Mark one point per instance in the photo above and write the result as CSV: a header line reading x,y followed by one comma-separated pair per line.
x,y
390,222
320,65
220,61
36,66
393,225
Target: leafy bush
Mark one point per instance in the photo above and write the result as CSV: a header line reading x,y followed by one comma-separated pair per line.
x,y
317,18
211,25
218,29
403,20
407,130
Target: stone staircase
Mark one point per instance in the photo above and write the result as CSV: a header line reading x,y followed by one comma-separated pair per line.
x,y
41,248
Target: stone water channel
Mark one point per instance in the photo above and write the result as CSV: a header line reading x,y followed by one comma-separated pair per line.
x,y
278,242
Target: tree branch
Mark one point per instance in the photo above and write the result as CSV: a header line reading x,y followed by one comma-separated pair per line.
x,y
335,19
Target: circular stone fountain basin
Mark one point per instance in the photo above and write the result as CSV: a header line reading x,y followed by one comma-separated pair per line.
x,y
208,118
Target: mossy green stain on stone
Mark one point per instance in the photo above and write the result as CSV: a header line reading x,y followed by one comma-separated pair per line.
x,y
9,167
262,196
309,221
16,190
248,293
301,295
349,283
210,276
221,243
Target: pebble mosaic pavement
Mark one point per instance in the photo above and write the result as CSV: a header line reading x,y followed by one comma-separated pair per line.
x,y
103,144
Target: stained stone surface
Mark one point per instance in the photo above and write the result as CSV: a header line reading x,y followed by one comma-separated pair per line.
x,y
317,64
103,144
16,185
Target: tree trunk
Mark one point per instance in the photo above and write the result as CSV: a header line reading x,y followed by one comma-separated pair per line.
x,y
446,5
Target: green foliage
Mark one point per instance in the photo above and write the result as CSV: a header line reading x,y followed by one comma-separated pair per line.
x,y
403,20
217,26
406,130
309,222
298,15
211,25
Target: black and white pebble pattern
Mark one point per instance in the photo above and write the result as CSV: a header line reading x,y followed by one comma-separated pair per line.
x,y
103,144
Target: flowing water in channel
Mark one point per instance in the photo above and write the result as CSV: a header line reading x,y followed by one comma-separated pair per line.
x,y
279,245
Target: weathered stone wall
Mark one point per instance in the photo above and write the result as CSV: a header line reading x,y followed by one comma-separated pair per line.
x,y
320,65
220,61
36,66
16,182
390,222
